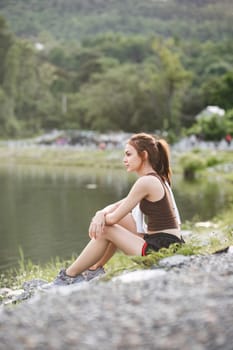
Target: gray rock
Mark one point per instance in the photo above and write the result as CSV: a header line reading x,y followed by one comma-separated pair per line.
x,y
187,307
33,284
175,260
9,296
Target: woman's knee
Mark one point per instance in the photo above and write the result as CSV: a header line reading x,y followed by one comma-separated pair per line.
x,y
109,230
128,222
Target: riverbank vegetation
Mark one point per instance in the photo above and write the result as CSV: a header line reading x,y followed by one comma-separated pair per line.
x,y
201,241
62,156
197,159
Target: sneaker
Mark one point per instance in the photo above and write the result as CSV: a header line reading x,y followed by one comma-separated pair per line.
x,y
63,279
90,274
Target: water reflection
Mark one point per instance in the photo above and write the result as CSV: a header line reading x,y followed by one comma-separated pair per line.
x,y
201,201
46,211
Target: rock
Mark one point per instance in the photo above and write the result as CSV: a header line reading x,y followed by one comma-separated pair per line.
x,y
139,275
9,296
189,306
14,296
33,284
5,291
175,260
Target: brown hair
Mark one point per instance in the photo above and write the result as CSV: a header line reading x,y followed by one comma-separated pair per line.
x,y
158,153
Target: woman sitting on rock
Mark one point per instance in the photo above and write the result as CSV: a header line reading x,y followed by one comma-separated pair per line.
x,y
114,226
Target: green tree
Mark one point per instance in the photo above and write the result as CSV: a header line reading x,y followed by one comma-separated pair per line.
x,y
12,70
8,122
109,101
27,83
169,82
6,39
229,122
212,128
219,90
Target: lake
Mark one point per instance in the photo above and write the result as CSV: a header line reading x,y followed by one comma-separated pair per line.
x,y
46,210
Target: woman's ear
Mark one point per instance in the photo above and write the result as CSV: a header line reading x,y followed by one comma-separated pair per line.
x,y
144,155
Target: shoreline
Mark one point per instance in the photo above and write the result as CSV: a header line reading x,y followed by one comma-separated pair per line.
x,y
61,156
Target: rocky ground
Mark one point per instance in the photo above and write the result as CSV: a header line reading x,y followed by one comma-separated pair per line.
x,y
184,303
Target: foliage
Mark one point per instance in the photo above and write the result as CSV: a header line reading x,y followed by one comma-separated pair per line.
x,y
217,90
228,121
79,19
213,128
155,64
119,263
27,270
63,157
191,163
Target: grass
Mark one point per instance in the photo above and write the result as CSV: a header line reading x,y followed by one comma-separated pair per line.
x,y
62,157
201,242
26,270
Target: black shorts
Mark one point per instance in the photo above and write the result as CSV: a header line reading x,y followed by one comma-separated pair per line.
x,y
156,241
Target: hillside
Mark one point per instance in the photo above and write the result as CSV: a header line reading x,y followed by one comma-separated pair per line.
x,y
104,61
74,20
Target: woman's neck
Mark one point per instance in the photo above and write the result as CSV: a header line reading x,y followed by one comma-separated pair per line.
x,y
146,170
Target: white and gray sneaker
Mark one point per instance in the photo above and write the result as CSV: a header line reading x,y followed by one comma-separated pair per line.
x,y
90,274
63,279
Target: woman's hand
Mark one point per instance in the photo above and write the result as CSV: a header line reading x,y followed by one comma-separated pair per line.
x,y
97,224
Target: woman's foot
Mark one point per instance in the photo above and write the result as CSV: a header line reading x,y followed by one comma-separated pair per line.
x,y
63,279
90,274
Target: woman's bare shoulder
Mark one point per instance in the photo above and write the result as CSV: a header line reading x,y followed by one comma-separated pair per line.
x,y
148,180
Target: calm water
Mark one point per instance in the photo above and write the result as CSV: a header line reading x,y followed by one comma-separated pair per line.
x,y
46,211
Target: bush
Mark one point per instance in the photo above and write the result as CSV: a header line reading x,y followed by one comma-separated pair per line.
x,y
191,163
213,160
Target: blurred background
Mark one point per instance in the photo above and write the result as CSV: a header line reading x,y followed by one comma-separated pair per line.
x,y
126,65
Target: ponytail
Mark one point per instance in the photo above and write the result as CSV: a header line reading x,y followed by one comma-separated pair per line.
x,y
163,163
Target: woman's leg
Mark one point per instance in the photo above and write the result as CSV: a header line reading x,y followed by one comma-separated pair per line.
x,y
108,254
123,239
127,222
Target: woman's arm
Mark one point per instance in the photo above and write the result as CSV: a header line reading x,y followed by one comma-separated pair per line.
x,y
110,208
140,190
143,188
98,221
113,213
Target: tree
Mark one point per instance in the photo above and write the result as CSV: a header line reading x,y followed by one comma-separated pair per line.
x,y
8,122
219,90
229,122
169,81
6,39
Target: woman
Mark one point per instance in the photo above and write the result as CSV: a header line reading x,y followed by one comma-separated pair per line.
x,y
114,226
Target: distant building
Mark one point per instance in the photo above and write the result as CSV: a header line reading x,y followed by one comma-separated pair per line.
x,y
209,111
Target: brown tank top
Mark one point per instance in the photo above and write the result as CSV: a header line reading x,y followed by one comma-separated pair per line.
x,y
160,214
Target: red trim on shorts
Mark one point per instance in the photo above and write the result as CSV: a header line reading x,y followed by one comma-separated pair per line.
x,y
145,245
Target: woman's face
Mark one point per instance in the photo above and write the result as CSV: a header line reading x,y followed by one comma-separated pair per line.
x,y
132,161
